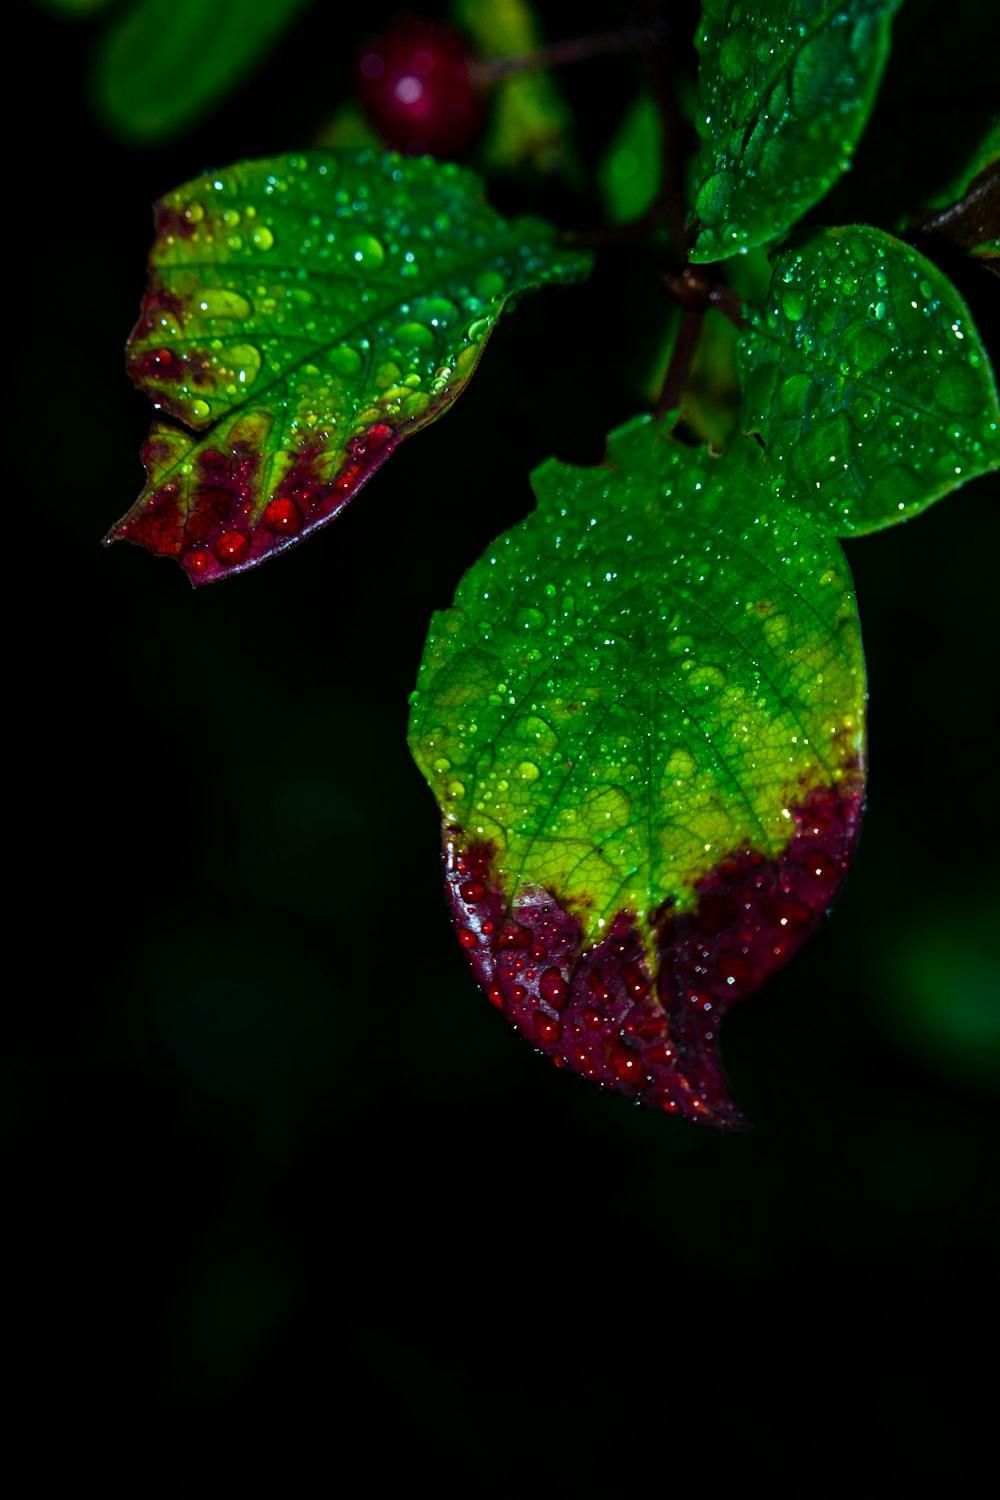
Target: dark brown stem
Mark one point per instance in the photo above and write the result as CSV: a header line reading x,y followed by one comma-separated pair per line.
x,y
698,287
680,361
573,50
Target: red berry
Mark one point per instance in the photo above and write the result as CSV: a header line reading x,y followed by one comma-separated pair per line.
x,y
415,85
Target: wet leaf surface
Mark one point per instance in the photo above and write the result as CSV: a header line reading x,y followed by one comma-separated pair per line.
x,y
784,92
643,722
867,381
304,315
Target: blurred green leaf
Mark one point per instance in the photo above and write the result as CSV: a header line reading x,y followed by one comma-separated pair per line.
x,y
630,171
530,123
163,63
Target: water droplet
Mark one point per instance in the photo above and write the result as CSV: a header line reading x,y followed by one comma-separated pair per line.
x,y
528,771
681,765
553,989
200,411
220,302
489,285
528,619
231,548
546,1027
244,360
414,336
364,252
455,789
472,892
706,680
467,938
345,360
776,630
262,237
794,303
283,517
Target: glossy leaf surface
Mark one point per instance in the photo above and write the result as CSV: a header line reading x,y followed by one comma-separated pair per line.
x,y
867,381
642,720
304,315
785,88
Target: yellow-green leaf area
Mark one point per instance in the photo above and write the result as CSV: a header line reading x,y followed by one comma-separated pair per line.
x,y
867,381
653,669
785,88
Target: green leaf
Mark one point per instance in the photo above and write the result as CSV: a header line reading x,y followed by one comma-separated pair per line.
x,y
867,381
643,722
630,170
785,88
77,9
305,315
165,62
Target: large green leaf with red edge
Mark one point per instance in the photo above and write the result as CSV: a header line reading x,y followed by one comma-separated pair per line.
x,y
867,381
785,88
643,721
304,315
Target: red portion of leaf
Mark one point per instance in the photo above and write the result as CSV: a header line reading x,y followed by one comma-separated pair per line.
x,y
600,1012
211,533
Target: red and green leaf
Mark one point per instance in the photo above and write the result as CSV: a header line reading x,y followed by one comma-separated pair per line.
x,y
304,315
643,721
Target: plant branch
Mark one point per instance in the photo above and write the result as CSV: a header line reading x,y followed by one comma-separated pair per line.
x,y
572,50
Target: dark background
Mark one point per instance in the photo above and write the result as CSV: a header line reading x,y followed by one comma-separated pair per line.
x,y
289,1202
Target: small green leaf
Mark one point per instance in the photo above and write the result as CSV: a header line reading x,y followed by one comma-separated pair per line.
x,y
306,314
867,381
642,719
785,88
164,62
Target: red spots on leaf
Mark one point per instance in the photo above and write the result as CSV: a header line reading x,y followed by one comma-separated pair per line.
x,y
199,520
600,1011
172,223
156,364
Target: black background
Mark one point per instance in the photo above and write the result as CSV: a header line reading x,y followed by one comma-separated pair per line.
x,y
289,1202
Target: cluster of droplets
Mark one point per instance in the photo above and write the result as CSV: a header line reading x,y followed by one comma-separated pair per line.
x,y
865,379
253,272
601,1010
628,720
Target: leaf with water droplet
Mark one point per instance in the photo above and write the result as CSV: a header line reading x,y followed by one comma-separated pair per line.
x,y
304,315
867,381
163,63
662,802
784,92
